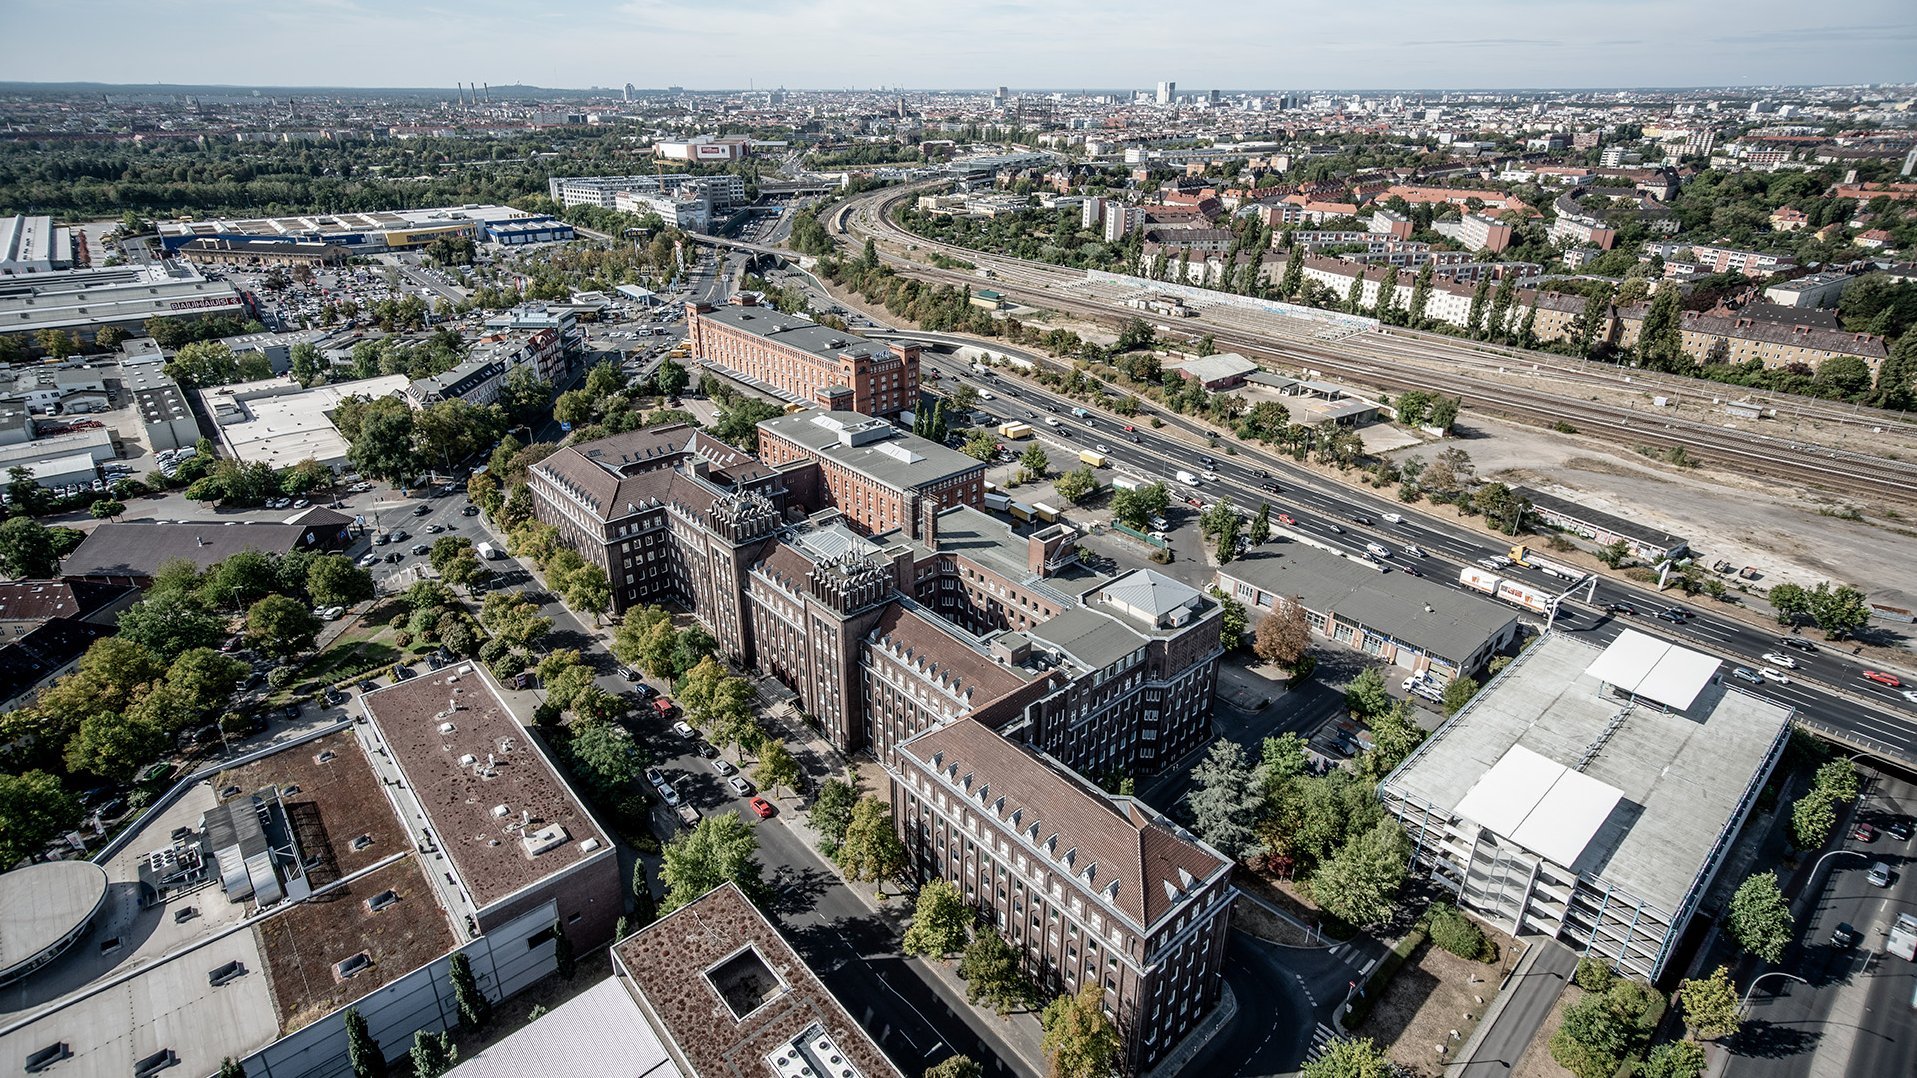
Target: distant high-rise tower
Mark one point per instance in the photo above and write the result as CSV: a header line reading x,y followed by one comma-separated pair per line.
x,y
1910,163
1167,91
902,112
629,91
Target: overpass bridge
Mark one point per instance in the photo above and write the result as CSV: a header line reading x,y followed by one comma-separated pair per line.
x,y
797,187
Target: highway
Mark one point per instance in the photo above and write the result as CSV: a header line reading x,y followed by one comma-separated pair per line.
x,y
1827,690
1400,360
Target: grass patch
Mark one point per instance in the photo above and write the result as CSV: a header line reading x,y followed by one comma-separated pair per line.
x,y
1380,979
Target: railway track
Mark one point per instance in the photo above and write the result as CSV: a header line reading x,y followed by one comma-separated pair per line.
x,y
1839,471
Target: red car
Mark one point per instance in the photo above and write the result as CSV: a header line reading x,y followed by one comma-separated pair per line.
x,y
1863,832
1285,518
763,807
1129,428
1882,678
1195,503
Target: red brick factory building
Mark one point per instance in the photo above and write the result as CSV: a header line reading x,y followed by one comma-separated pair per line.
x,y
801,361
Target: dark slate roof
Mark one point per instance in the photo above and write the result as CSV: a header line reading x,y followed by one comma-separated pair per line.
x,y
139,548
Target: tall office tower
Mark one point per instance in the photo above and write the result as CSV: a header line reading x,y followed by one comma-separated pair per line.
x,y
629,91
1166,91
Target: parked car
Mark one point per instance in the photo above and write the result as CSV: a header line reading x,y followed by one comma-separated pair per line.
x,y
740,786
655,776
1863,832
1879,875
723,767
683,730
669,795
763,807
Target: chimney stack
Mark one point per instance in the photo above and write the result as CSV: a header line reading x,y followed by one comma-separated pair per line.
x,y
929,522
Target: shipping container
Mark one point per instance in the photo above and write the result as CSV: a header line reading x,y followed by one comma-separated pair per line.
x,y
1045,512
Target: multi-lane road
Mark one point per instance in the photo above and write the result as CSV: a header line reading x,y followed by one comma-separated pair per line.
x,y
1827,690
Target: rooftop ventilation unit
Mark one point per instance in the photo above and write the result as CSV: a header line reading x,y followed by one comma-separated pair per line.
x,y
546,838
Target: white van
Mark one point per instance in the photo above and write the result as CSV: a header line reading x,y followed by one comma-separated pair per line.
x,y
1378,550
487,551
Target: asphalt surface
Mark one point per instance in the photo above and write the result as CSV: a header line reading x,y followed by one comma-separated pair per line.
x,y
1855,1015
1532,998
1827,689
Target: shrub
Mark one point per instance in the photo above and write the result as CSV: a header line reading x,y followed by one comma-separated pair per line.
x,y
281,676
1593,974
1456,932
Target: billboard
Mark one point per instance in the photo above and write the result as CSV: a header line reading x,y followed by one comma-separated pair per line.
x,y
710,151
418,237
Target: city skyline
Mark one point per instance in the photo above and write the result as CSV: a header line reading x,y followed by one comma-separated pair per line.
x,y
1577,44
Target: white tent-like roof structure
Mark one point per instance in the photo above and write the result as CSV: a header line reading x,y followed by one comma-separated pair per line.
x,y
1654,669
1540,804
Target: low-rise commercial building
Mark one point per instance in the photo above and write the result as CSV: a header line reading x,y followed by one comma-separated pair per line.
x,y
603,191
801,361
342,870
281,423
1591,795
1813,290
355,233
82,302
34,244
1411,622
1643,541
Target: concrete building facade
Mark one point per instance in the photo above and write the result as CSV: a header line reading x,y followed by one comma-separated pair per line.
x,y
875,475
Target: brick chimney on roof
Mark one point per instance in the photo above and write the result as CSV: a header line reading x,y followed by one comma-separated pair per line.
x,y
929,522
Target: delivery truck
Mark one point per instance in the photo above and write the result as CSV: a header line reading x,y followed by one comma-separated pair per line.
x,y
1536,600
1903,937
1187,478
1087,456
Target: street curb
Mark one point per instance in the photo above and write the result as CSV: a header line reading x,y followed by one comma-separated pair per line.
x,y
1495,1011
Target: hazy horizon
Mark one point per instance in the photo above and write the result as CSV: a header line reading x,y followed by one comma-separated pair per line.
x,y
1115,45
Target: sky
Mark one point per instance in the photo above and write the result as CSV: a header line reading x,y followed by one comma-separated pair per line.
x,y
962,44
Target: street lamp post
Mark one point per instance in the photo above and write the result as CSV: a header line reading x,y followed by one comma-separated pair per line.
x,y
1746,1002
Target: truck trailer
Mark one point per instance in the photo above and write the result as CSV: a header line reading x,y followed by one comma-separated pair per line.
x,y
1014,431
1511,591
1095,459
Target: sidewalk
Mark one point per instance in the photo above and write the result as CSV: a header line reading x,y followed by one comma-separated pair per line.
x,y
1019,1031
1520,1008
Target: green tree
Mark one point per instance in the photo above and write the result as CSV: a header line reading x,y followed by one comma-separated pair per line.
x,y
777,767
1420,295
280,625
433,1054
1260,527
106,509
1076,485
1225,802
381,441
1759,918
1678,1059
1350,1057
1790,602
1360,880
115,746
1079,1041
1838,611
1452,930
1838,779
991,973
475,1010
1135,508
1593,1038
980,445
1812,818
307,365
1367,695
1711,1007
1660,344
232,1068
363,1053
201,681
1614,555
959,1066
871,851
941,921
26,549
670,379
333,580
1293,278
1459,693
718,850
1033,464
34,808
832,810
1474,320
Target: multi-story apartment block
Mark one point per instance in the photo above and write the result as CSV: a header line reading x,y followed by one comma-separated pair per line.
x,y
1121,219
553,336
802,361
1735,338
475,381
1088,889
871,472
1481,233
1583,231
1748,263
